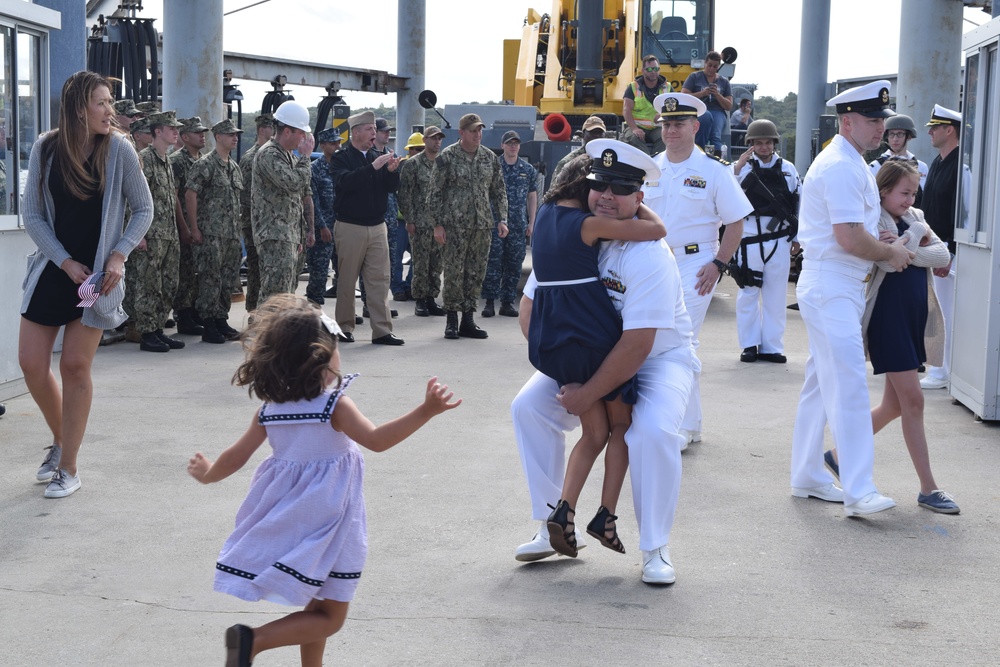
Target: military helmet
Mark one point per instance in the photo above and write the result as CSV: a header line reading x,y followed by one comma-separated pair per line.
x,y
416,140
761,129
901,122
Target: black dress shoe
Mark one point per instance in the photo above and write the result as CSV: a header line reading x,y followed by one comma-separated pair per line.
x,y
749,354
773,357
364,311
388,339
358,319
345,337
400,296
420,309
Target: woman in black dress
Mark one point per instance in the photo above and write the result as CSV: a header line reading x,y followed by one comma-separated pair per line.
x,y
80,177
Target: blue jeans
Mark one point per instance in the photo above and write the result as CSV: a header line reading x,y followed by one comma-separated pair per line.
x,y
711,124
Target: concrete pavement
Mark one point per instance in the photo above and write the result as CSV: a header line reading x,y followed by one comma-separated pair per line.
x,y
121,572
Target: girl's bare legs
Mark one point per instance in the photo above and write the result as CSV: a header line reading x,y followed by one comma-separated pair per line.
x,y
884,413
309,629
910,397
616,456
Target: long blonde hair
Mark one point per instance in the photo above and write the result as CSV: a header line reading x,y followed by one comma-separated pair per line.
x,y
69,140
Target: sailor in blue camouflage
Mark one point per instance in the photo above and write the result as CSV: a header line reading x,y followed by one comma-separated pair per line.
x,y
503,271
323,197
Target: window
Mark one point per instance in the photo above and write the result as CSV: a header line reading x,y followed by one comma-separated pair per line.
x,y
8,191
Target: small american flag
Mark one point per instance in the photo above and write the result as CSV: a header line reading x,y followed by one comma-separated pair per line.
x,y
90,289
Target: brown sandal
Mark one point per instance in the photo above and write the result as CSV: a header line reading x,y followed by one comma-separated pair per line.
x,y
562,529
604,529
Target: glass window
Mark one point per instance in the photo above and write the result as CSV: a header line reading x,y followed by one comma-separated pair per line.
x,y
968,140
29,99
988,191
7,190
675,31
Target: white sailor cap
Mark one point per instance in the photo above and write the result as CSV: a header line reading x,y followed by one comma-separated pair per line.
x,y
943,116
676,106
870,100
618,162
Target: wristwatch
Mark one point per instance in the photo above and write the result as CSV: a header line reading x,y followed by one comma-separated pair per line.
x,y
720,265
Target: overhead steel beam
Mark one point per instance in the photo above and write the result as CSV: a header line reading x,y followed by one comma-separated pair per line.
x,y
301,73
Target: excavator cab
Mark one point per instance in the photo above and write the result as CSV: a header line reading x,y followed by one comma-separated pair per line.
x,y
678,33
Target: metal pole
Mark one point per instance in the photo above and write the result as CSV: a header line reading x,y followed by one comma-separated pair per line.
x,y
814,52
930,62
192,59
411,45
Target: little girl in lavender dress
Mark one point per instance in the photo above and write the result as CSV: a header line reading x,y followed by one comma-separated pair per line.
x,y
301,536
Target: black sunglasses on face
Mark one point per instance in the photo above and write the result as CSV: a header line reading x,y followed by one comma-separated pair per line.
x,y
619,189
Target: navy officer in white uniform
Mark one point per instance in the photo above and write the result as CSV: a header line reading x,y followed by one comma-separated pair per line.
x,y
643,282
694,196
838,221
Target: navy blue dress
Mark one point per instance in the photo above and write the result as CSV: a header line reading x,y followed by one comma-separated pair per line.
x,y
573,327
898,320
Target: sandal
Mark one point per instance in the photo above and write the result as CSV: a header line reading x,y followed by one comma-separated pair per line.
x,y
239,644
562,529
603,528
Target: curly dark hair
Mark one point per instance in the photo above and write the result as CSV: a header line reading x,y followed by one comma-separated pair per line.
x,y
288,351
571,182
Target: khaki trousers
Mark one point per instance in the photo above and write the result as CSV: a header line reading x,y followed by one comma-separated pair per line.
x,y
363,251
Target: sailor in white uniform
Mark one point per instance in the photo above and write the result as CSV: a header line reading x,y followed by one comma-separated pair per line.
x,y
643,283
694,196
772,185
838,222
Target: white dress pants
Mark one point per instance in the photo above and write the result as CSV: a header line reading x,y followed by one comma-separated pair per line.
x,y
760,311
697,307
836,385
944,289
654,445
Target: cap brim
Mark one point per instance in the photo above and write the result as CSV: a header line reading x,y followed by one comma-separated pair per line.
x,y
615,179
877,113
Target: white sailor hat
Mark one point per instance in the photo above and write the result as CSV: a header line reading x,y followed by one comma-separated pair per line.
x,y
674,106
870,100
943,116
618,162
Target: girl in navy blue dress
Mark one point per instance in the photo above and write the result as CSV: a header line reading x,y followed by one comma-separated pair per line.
x,y
903,325
574,326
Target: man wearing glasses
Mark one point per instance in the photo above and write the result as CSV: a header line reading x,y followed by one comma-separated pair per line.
x,y
638,110
899,129
694,196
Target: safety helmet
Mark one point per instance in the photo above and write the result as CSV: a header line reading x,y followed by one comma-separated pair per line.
x,y
293,114
901,122
761,129
416,140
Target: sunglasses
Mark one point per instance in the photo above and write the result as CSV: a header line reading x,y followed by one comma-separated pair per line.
x,y
619,189
652,69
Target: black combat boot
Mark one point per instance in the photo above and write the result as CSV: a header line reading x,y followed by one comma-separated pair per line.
x,y
507,309
420,309
451,325
150,342
488,311
433,308
172,343
187,323
468,328
211,334
222,325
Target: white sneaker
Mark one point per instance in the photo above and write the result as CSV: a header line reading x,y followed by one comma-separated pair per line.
x,y
831,493
933,383
539,547
656,566
870,504
62,484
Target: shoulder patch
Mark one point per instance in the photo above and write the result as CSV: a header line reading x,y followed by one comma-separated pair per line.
x,y
718,159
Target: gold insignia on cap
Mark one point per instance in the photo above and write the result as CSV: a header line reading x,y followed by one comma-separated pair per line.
x,y
884,95
608,158
670,104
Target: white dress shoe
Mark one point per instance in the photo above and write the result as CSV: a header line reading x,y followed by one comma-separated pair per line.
x,y
690,436
933,383
831,493
870,504
540,547
656,566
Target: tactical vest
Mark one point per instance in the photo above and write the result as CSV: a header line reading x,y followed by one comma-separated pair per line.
x,y
644,112
774,180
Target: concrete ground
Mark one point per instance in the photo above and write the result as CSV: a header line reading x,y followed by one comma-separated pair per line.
x,y
121,572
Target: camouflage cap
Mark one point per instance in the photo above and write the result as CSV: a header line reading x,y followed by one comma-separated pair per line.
x,y
126,107
432,131
329,136
470,121
226,126
148,107
165,118
141,125
264,120
192,124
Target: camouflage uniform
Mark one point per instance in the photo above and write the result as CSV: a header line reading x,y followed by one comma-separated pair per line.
x,y
425,255
187,281
253,263
462,188
218,185
321,253
503,270
280,181
153,271
575,153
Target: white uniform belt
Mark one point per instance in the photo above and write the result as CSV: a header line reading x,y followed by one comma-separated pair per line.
x,y
833,266
554,283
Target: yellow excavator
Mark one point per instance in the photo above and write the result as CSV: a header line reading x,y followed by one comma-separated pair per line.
x,y
578,59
